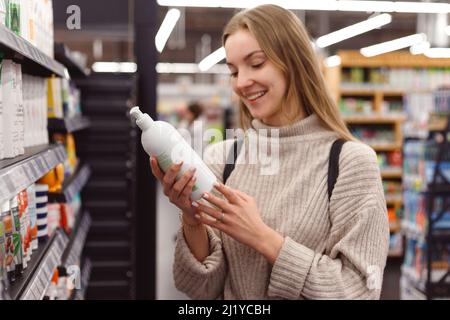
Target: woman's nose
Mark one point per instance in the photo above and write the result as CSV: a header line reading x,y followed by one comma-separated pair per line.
x,y
243,81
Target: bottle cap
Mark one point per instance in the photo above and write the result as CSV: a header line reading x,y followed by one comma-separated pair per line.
x,y
143,120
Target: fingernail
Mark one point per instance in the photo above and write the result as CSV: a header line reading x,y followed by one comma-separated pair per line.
x,y
216,184
205,195
192,169
194,179
194,204
197,216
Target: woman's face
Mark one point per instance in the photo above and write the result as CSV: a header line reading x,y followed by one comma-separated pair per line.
x,y
254,78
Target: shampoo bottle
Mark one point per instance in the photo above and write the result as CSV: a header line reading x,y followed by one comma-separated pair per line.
x,y
162,140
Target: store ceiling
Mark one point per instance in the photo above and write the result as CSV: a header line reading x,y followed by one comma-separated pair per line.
x,y
113,28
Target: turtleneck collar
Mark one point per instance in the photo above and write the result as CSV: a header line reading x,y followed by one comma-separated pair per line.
x,y
305,126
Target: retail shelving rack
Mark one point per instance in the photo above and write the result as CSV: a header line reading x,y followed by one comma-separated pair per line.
x,y
108,146
18,173
375,84
429,277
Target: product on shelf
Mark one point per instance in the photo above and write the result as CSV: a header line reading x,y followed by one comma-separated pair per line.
x,y
72,161
41,211
18,252
3,275
10,245
12,115
32,20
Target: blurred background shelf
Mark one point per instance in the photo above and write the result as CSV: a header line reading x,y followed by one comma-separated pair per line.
x,y
69,125
72,186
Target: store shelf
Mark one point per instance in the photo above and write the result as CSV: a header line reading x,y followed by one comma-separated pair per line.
x,y
36,277
71,186
391,173
384,147
65,56
72,254
365,90
393,200
86,270
69,125
33,60
374,119
18,173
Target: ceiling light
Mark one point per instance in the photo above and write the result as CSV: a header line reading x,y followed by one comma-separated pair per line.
x,y
419,48
393,45
332,61
438,53
338,5
212,59
354,30
124,67
189,68
166,28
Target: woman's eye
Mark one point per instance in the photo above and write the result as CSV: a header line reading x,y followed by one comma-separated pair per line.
x,y
233,74
258,65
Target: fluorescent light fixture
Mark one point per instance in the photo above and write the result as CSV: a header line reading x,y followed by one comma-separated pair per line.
x,y
447,30
421,7
353,30
393,45
335,5
419,48
333,61
124,67
438,53
212,59
189,68
166,28
366,6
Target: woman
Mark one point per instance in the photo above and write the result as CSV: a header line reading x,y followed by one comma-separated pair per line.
x,y
278,236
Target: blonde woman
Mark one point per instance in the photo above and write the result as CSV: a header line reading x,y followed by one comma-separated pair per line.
x,y
279,236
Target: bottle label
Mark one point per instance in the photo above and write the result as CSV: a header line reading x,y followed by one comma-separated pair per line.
x,y
165,162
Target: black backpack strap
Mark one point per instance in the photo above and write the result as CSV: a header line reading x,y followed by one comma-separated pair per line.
x,y
333,165
231,159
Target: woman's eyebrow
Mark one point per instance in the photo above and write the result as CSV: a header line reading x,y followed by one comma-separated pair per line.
x,y
246,57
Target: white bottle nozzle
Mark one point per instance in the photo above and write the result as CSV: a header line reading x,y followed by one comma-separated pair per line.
x,y
143,120
136,113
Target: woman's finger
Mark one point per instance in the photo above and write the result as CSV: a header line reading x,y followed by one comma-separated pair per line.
x,y
187,191
169,177
156,171
212,222
213,213
229,193
218,202
181,183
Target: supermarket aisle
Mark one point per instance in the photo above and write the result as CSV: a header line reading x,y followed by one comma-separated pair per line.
x,y
167,227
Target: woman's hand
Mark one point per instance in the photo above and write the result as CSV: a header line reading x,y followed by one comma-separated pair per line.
x,y
179,192
238,216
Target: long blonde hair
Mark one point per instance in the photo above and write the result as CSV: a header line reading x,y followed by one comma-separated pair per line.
x,y
285,41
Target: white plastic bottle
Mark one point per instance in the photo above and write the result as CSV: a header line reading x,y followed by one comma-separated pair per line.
x,y
162,140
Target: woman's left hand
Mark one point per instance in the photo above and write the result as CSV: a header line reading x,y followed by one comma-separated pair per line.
x,y
239,217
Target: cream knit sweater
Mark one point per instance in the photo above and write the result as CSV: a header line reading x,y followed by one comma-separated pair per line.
x,y
331,250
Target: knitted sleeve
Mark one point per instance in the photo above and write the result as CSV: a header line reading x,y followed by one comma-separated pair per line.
x,y
356,251
203,280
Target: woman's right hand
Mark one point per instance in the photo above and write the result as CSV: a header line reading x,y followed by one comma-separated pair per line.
x,y
178,191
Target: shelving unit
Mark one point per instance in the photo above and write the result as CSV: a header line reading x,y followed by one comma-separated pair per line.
x,y
33,60
64,55
18,173
373,87
72,254
68,125
36,278
72,186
